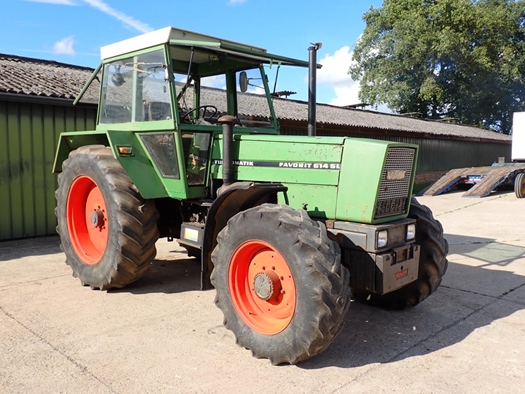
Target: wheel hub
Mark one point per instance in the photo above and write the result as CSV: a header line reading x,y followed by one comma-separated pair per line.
x,y
97,218
266,285
87,223
262,287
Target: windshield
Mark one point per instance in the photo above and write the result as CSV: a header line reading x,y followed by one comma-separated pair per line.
x,y
208,86
136,89
207,99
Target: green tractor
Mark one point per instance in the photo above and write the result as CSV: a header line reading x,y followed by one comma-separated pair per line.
x,y
287,229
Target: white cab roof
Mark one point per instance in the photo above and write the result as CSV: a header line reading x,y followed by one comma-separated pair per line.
x,y
163,36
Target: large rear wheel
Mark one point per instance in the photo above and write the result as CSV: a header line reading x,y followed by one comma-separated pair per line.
x,y
107,230
432,264
280,283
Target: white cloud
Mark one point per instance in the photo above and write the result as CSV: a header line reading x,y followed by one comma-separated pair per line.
x,y
126,19
234,2
335,74
64,46
216,81
59,2
346,95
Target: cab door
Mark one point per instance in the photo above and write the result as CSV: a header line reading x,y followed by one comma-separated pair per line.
x,y
137,114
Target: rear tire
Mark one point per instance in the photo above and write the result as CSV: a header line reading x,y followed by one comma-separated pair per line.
x,y
519,185
277,252
432,264
107,230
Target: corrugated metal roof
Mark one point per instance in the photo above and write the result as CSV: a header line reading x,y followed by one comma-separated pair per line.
x,y
255,105
297,110
42,78
36,77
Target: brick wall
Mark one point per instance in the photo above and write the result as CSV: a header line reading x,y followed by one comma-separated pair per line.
x,y
427,177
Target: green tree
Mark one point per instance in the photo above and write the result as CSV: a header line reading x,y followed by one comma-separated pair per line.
x,y
445,59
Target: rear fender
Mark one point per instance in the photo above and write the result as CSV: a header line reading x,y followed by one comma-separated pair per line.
x,y
233,199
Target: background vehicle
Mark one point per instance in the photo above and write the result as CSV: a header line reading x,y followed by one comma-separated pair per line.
x,y
482,181
284,226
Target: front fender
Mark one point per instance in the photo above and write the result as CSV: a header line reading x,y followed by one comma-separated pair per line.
x,y
233,199
70,141
138,166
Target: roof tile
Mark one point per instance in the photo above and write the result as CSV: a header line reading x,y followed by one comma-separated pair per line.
x,y
45,78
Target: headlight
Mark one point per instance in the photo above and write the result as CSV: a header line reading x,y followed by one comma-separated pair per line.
x,y
411,231
382,238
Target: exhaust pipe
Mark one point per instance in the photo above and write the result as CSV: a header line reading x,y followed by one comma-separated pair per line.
x,y
227,122
312,92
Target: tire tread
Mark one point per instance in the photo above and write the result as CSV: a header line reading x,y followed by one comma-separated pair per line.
x,y
137,221
331,283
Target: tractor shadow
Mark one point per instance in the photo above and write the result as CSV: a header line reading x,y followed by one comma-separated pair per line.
x,y
172,272
471,297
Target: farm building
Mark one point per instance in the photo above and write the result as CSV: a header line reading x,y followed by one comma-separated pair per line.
x,y
36,104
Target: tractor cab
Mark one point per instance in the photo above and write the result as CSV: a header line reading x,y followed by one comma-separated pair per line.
x,y
163,93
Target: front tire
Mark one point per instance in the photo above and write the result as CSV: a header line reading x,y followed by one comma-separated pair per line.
x,y
280,283
107,230
433,263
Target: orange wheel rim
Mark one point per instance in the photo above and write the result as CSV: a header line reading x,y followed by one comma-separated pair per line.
x,y
87,222
262,287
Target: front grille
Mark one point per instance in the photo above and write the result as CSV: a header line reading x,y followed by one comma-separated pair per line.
x,y
394,187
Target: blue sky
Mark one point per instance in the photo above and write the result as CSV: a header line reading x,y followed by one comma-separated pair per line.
x,y
72,31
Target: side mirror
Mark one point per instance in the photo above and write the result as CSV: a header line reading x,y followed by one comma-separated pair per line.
x,y
117,79
243,81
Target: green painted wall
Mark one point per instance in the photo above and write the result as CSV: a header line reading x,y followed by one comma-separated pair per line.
x,y
28,137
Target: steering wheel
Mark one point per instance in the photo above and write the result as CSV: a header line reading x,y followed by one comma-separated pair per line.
x,y
204,109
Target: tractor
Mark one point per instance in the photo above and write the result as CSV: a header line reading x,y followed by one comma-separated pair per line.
x,y
287,229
